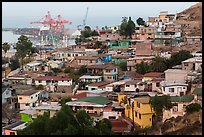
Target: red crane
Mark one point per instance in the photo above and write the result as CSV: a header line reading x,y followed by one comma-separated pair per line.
x,y
56,25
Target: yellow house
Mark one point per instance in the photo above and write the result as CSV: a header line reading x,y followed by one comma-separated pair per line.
x,y
143,111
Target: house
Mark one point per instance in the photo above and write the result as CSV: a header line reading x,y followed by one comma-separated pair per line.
x,y
138,109
192,64
198,95
33,66
53,80
112,111
105,57
149,76
90,79
55,64
92,105
17,80
118,44
143,49
193,39
132,85
96,69
131,75
28,99
109,36
12,128
88,60
175,75
110,73
174,89
179,106
143,111
117,59
7,94
145,33
120,126
131,62
97,86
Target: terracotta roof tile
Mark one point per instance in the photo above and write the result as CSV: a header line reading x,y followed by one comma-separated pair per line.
x,y
52,78
153,74
80,95
99,84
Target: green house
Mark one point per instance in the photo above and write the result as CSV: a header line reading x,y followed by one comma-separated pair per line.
x,y
97,86
119,44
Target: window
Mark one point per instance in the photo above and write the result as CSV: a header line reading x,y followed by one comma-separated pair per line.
x,y
135,114
109,77
185,64
62,80
139,116
27,104
157,84
67,80
150,119
39,81
90,61
127,85
138,104
12,133
31,97
171,89
90,108
112,117
36,95
20,97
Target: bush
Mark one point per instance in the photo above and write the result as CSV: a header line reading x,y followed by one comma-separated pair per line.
x,y
40,87
194,107
67,70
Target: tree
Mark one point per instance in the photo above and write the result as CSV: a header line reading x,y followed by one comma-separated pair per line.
x,y
23,48
194,107
8,112
127,27
56,70
123,66
159,64
160,103
94,33
143,68
5,47
178,57
140,21
40,87
104,127
98,44
65,99
14,64
82,70
68,70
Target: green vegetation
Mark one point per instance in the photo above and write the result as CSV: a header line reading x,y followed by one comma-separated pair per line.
x,y
127,27
82,70
67,70
160,64
14,64
39,87
65,99
23,47
5,47
140,21
123,66
66,122
143,68
160,103
194,107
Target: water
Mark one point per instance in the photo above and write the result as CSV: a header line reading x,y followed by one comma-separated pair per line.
x,y
8,36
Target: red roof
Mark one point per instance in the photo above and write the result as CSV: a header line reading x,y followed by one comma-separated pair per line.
x,y
157,79
52,78
111,67
80,95
153,74
119,125
99,84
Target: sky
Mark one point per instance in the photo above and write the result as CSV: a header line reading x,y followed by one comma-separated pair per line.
x,y
20,14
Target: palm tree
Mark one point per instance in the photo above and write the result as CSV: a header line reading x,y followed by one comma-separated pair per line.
x,y
6,47
158,63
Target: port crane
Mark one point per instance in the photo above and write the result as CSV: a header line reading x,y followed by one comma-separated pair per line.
x,y
84,20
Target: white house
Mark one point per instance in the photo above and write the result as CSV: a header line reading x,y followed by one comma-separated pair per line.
x,y
174,89
28,99
175,75
33,66
132,85
89,78
53,80
55,64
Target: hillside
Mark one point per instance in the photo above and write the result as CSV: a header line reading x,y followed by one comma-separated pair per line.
x,y
189,124
191,20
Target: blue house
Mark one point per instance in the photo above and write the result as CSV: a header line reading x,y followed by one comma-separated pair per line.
x,y
105,57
